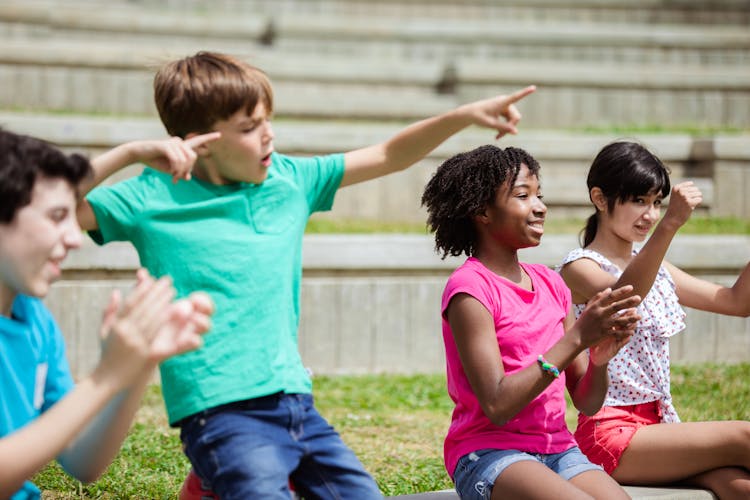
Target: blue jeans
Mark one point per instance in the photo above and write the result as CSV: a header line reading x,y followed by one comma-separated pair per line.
x,y
476,472
250,449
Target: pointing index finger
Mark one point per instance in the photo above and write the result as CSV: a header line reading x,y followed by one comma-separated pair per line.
x,y
199,140
520,94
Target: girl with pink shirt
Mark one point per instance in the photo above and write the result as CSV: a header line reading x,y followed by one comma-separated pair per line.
x,y
512,344
637,436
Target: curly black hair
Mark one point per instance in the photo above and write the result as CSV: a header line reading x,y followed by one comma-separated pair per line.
x,y
23,159
462,187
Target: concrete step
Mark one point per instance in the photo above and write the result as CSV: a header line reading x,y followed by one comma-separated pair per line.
x,y
655,11
387,289
412,38
719,165
115,77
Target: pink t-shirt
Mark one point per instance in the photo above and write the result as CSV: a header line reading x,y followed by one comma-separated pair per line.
x,y
527,324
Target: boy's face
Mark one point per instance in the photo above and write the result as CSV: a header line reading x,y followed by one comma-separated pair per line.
x,y
37,240
243,152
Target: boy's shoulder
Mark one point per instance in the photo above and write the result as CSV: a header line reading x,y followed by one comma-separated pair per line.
x,y
29,312
26,307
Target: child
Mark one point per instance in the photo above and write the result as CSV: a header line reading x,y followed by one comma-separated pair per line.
x,y
243,402
635,436
42,415
511,343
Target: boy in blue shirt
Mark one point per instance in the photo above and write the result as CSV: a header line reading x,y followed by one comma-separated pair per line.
x,y
43,416
243,402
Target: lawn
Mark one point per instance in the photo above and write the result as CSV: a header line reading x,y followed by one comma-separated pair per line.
x,y
395,424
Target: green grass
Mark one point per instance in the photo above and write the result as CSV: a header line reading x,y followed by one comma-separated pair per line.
x,y
695,225
394,423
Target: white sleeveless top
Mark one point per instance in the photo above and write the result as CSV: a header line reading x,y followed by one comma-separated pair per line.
x,y
639,373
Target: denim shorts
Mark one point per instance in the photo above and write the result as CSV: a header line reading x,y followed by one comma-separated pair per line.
x,y
252,448
476,472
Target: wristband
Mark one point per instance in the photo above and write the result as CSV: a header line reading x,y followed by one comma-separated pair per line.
x,y
548,367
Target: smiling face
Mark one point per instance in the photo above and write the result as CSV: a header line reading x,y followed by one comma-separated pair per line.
x,y
36,241
242,153
516,218
632,220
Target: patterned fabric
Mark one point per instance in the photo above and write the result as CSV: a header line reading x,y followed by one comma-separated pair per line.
x,y
639,373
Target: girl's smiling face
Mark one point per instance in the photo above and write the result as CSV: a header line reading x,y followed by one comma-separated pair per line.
x,y
516,217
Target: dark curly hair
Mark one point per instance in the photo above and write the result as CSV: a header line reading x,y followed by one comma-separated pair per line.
x,y
23,159
624,170
462,187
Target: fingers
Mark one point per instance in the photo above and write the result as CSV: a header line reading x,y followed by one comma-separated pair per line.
x,y
202,302
520,94
110,313
181,158
198,140
510,112
688,192
624,322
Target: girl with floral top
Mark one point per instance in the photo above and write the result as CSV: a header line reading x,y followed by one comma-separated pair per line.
x,y
636,436
512,344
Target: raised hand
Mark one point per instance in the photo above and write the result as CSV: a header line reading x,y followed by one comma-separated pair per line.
x,y
174,156
500,112
148,326
609,319
683,200
189,319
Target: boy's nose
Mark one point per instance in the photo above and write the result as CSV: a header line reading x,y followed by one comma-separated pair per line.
x,y
269,132
73,236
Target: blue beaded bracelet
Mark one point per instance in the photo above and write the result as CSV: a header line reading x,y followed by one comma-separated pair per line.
x,y
548,367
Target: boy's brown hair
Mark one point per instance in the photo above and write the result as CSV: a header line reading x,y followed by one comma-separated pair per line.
x,y
195,92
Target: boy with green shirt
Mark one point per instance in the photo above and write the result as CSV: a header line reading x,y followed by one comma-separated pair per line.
x,y
234,228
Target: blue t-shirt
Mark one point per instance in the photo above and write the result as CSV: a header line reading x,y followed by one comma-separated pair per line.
x,y
242,244
34,371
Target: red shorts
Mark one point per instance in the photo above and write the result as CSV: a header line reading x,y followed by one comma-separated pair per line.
x,y
604,437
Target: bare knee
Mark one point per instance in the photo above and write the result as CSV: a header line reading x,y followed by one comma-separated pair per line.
x,y
728,483
740,443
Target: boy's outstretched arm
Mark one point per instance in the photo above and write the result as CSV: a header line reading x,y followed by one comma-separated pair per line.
x,y
417,140
174,155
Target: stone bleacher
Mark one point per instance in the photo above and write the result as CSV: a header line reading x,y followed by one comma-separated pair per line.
x,y
385,64
347,74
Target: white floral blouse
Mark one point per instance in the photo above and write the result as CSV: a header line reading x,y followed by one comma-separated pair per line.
x,y
639,373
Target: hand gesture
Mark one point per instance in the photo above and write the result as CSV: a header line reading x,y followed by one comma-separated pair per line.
x,y
608,322
189,319
683,200
147,327
498,112
174,156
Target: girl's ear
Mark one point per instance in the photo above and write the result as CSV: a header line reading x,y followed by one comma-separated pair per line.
x,y
481,217
598,199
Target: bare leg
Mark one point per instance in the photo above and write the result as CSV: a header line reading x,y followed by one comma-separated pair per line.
x,y
599,484
668,453
534,481
728,483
